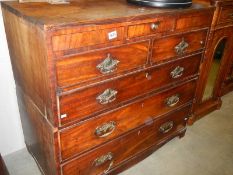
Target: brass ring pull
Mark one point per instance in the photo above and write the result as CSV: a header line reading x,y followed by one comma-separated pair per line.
x,y
166,127
108,96
181,47
177,72
103,159
172,101
108,65
105,129
155,25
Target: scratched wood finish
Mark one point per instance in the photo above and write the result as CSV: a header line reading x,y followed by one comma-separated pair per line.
x,y
164,48
83,67
86,12
53,50
32,75
83,103
40,137
130,144
126,118
29,61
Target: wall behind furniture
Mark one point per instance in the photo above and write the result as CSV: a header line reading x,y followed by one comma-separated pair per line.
x,y
11,135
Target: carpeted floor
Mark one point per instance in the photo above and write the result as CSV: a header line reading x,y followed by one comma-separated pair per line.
x,y
206,149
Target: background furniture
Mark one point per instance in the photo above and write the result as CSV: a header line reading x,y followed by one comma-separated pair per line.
x,y
216,76
3,169
103,84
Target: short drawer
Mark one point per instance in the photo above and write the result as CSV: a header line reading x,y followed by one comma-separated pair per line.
x,y
102,159
107,126
69,41
226,14
151,27
179,45
194,21
81,104
101,64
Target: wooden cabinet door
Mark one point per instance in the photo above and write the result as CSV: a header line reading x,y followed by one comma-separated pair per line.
x,y
219,46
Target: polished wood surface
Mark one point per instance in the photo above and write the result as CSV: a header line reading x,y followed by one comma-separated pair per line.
x,y
83,103
194,21
221,28
125,147
226,14
165,48
85,39
81,68
146,27
126,118
91,80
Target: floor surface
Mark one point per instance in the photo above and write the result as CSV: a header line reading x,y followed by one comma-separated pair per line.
x,y
206,149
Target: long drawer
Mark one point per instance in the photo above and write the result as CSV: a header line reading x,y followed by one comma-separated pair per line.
x,y
179,45
79,105
107,126
111,154
101,64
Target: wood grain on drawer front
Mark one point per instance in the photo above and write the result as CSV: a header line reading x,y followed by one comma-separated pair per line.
x,y
85,67
226,14
178,45
82,137
88,38
115,152
151,27
79,105
193,21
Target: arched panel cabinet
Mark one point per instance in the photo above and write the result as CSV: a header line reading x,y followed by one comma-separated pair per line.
x,y
216,73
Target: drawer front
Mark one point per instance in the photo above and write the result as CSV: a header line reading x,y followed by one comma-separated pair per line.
x,y
102,159
179,45
193,21
101,64
71,41
151,27
79,105
110,125
226,14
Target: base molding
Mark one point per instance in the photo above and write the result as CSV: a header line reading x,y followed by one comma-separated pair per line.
x,y
144,154
204,109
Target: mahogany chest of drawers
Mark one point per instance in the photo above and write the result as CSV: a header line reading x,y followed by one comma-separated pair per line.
x,y
103,84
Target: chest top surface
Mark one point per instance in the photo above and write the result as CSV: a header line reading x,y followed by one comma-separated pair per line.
x,y
89,12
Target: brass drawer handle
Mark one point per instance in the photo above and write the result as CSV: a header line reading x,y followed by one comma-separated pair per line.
x,y
166,127
177,72
181,47
173,100
103,159
155,25
105,129
108,65
108,96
